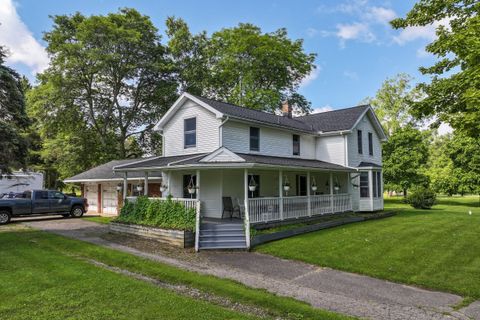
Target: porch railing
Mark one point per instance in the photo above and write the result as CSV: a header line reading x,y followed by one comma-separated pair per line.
x,y
187,203
269,209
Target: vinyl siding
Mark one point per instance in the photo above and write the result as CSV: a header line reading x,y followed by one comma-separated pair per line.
x,y
273,142
207,130
354,158
331,149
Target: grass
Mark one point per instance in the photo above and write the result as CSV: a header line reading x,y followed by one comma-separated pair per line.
x,y
99,219
45,276
437,248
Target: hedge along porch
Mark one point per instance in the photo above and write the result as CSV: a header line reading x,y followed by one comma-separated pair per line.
x,y
265,188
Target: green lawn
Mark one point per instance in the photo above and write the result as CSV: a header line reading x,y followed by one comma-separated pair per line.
x,y
44,276
437,248
99,219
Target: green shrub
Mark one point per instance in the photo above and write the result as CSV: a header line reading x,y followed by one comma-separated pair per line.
x,y
166,214
421,198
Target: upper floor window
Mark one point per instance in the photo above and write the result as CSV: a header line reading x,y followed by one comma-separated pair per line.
x,y
254,139
296,145
359,141
370,143
190,132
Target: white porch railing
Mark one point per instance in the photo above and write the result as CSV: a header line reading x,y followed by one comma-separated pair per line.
x,y
187,203
268,209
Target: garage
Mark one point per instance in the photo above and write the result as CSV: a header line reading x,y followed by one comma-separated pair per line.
x,y
100,185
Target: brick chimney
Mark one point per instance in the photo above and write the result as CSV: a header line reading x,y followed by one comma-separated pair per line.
x,y
286,109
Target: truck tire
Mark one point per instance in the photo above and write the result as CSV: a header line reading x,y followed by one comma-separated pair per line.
x,y
4,217
77,212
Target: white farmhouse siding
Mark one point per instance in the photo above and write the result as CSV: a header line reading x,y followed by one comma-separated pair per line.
x,y
273,142
331,149
354,158
207,130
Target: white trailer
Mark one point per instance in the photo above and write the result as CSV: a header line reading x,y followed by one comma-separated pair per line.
x,y
21,181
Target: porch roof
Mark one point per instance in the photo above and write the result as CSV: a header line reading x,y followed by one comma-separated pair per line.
x,y
242,160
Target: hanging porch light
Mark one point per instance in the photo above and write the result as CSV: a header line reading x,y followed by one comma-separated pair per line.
x,y
119,187
252,184
191,186
163,188
286,185
139,188
314,184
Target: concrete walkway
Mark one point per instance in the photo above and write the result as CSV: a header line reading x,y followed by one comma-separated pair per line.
x,y
323,288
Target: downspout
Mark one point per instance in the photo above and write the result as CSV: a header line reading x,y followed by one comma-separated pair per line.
x,y
220,132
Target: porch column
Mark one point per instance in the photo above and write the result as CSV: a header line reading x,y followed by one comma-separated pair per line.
x,y
169,185
197,212
331,191
370,188
280,193
198,184
125,186
247,215
309,204
145,187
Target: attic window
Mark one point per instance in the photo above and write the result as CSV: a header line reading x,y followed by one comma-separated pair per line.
x,y
190,132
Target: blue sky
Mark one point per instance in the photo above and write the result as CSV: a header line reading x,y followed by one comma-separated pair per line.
x,y
355,46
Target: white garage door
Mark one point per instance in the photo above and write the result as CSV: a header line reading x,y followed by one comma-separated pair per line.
x,y
109,200
91,193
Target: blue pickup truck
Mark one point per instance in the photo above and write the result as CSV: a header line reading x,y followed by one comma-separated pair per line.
x,y
41,202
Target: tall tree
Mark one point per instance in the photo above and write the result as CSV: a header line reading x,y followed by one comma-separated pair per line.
x,y
441,172
465,155
13,119
404,157
108,75
393,101
241,65
453,95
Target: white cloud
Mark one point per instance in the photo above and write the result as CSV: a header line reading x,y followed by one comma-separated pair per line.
x,y
22,46
322,109
351,75
381,15
311,77
355,31
420,32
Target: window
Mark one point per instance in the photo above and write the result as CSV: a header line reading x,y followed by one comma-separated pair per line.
x,y
370,143
256,193
56,195
41,195
374,184
296,145
254,139
364,185
379,184
190,132
359,141
186,181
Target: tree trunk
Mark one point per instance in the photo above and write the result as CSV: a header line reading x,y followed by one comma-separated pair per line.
x,y
405,193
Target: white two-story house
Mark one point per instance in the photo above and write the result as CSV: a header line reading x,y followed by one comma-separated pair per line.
x,y
234,162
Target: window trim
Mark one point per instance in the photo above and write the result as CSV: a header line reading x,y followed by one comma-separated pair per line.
x,y
360,141
254,137
370,143
293,144
185,132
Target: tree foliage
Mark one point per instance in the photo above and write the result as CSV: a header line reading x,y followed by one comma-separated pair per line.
x,y
13,119
453,95
392,103
404,157
241,65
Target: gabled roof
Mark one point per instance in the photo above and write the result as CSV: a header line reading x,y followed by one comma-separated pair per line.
x,y
325,122
335,120
243,113
105,172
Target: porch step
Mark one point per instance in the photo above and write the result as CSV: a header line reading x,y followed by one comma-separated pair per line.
x,y
222,236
